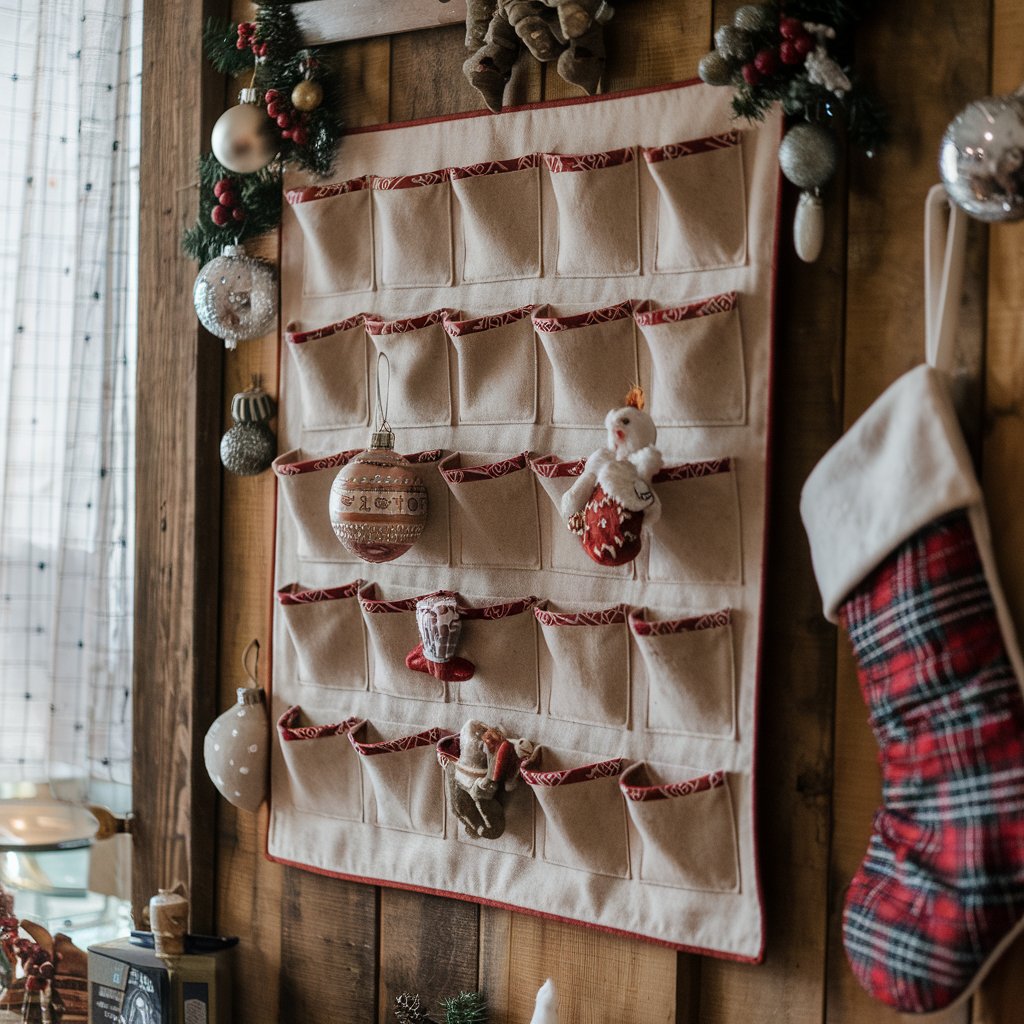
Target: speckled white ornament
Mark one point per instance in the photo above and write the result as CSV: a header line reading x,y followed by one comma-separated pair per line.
x,y
236,750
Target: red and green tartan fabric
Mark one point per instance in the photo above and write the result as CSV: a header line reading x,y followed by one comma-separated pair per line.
x,y
942,885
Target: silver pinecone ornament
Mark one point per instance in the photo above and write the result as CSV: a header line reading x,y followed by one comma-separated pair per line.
x,y
249,446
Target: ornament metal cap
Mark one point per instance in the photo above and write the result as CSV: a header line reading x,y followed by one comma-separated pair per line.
x,y
248,95
383,439
249,695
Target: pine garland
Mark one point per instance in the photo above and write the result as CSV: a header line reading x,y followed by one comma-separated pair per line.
x,y
465,1008
270,51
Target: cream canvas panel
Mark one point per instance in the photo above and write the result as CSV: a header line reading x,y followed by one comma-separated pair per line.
x,y
638,684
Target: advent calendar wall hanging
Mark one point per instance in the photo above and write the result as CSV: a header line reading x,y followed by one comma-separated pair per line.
x,y
552,732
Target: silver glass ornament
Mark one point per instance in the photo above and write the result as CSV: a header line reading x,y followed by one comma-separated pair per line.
x,y
249,447
981,158
751,18
235,296
715,69
734,43
808,156
244,139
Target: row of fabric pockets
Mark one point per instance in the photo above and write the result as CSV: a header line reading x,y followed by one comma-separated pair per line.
x,y
585,661
496,515
700,225
689,361
384,775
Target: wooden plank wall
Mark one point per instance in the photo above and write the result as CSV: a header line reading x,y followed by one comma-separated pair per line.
x,y
319,950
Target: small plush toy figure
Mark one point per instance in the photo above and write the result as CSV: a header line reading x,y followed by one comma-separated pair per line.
x,y
487,767
612,499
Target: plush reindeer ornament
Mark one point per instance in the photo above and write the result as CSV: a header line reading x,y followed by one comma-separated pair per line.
x,y
612,500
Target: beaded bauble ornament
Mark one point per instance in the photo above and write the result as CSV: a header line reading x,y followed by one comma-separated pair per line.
x,y
235,296
249,447
243,138
378,504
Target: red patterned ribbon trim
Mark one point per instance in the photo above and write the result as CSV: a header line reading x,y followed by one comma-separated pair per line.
x,y
492,471
702,307
605,315
438,177
422,458
294,594
457,328
604,617
428,737
640,794
518,163
567,776
301,337
693,470
677,149
448,750
665,627
378,606
312,465
412,323
336,188
551,467
558,163
498,611
290,732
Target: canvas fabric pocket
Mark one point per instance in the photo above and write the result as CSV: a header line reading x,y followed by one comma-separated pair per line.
x,y
586,668
593,362
500,640
495,509
433,548
393,633
305,483
695,375
690,673
499,202
518,804
686,827
702,208
326,629
497,360
404,790
563,551
417,350
598,213
697,538
584,813
331,366
323,771
414,223
336,221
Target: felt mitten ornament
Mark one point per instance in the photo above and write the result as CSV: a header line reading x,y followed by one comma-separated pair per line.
x,y
612,500
901,552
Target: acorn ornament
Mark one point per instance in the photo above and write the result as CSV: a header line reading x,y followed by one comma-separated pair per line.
x,y
808,156
612,500
378,505
249,446
237,746
243,139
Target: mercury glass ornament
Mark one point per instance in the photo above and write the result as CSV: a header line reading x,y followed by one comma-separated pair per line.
x,y
715,69
378,504
235,296
981,158
307,95
734,43
751,18
244,138
808,156
249,446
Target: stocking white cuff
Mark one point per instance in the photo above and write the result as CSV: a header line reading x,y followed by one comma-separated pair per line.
x,y
902,465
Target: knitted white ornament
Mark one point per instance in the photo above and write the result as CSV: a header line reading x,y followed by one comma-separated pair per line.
x,y
545,1010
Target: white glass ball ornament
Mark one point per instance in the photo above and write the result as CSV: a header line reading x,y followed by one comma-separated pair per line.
x,y
981,158
235,296
244,139
236,750
378,505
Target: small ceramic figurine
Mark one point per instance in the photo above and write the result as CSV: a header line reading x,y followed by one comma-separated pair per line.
x,y
613,499
440,626
487,767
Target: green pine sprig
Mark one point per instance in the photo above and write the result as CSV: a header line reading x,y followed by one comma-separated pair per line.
x,y
465,1008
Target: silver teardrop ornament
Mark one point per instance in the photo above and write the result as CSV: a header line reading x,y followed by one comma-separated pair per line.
x,y
809,227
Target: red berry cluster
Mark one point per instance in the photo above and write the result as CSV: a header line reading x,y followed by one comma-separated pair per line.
x,y
229,206
293,123
796,43
247,39
37,964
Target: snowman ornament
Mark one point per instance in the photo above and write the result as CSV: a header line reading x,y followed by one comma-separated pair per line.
x,y
612,500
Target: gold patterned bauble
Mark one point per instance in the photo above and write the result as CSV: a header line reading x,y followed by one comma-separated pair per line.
x,y
307,95
243,138
378,504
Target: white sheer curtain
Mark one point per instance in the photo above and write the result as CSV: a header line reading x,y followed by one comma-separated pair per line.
x,y
70,75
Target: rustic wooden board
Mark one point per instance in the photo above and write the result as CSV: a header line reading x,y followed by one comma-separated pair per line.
x,y
335,21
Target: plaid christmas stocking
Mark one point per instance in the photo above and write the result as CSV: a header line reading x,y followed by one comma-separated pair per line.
x,y
901,552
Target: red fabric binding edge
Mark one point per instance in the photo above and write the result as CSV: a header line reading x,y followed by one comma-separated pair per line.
x,y
488,471
604,617
674,150
292,593
457,328
561,163
666,627
329,330
701,307
668,790
604,315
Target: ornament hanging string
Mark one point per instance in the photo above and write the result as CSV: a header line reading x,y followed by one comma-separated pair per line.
x,y
381,410
254,645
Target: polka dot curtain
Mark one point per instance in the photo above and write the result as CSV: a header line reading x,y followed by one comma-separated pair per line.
x,y
69,103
